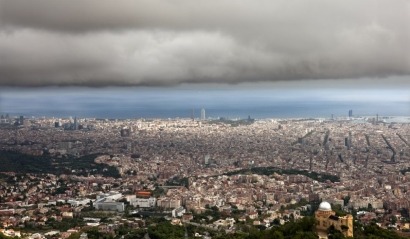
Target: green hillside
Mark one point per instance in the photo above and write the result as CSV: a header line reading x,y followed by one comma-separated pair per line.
x,y
11,161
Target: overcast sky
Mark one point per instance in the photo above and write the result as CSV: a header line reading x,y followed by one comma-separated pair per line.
x,y
169,42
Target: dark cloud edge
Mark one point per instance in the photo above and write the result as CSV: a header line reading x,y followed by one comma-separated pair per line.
x,y
197,81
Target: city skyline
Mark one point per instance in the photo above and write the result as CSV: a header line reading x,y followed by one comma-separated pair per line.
x,y
229,101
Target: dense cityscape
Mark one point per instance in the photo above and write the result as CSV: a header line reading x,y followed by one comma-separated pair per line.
x,y
70,178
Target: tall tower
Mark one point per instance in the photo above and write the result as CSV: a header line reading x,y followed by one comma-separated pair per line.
x,y
193,114
75,123
21,120
207,157
203,116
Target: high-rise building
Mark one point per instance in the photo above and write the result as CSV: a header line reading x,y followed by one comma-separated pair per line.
x,y
193,114
21,120
129,147
347,145
125,132
207,157
203,116
75,126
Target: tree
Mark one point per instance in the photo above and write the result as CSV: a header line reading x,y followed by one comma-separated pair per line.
x,y
370,207
339,211
393,219
346,200
405,212
292,217
75,235
278,235
334,234
93,233
165,230
215,208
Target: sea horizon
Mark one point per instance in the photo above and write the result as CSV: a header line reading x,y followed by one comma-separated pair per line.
x,y
231,103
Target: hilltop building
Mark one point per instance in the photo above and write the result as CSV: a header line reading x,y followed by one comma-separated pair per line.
x,y
326,217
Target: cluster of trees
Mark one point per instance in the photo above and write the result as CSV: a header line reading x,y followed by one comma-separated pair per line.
x,y
22,163
373,231
404,171
305,229
233,123
123,232
165,230
178,181
210,215
2,236
64,224
299,229
52,224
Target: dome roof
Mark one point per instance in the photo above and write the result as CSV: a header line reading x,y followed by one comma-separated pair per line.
x,y
325,206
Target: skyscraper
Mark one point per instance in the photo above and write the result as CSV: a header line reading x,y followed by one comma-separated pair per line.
x,y
193,114
21,120
75,126
125,132
207,157
203,116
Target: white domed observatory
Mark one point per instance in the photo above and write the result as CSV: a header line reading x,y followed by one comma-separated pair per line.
x,y
326,217
325,206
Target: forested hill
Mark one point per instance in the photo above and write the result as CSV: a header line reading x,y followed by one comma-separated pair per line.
x,y
300,229
11,161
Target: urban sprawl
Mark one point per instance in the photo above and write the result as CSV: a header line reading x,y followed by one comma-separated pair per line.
x,y
215,175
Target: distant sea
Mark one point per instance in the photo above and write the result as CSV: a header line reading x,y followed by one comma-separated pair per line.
x,y
121,103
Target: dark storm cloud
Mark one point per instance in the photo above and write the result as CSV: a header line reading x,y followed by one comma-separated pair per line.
x,y
167,42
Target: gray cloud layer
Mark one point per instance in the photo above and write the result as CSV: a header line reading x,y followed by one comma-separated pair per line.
x,y
166,42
